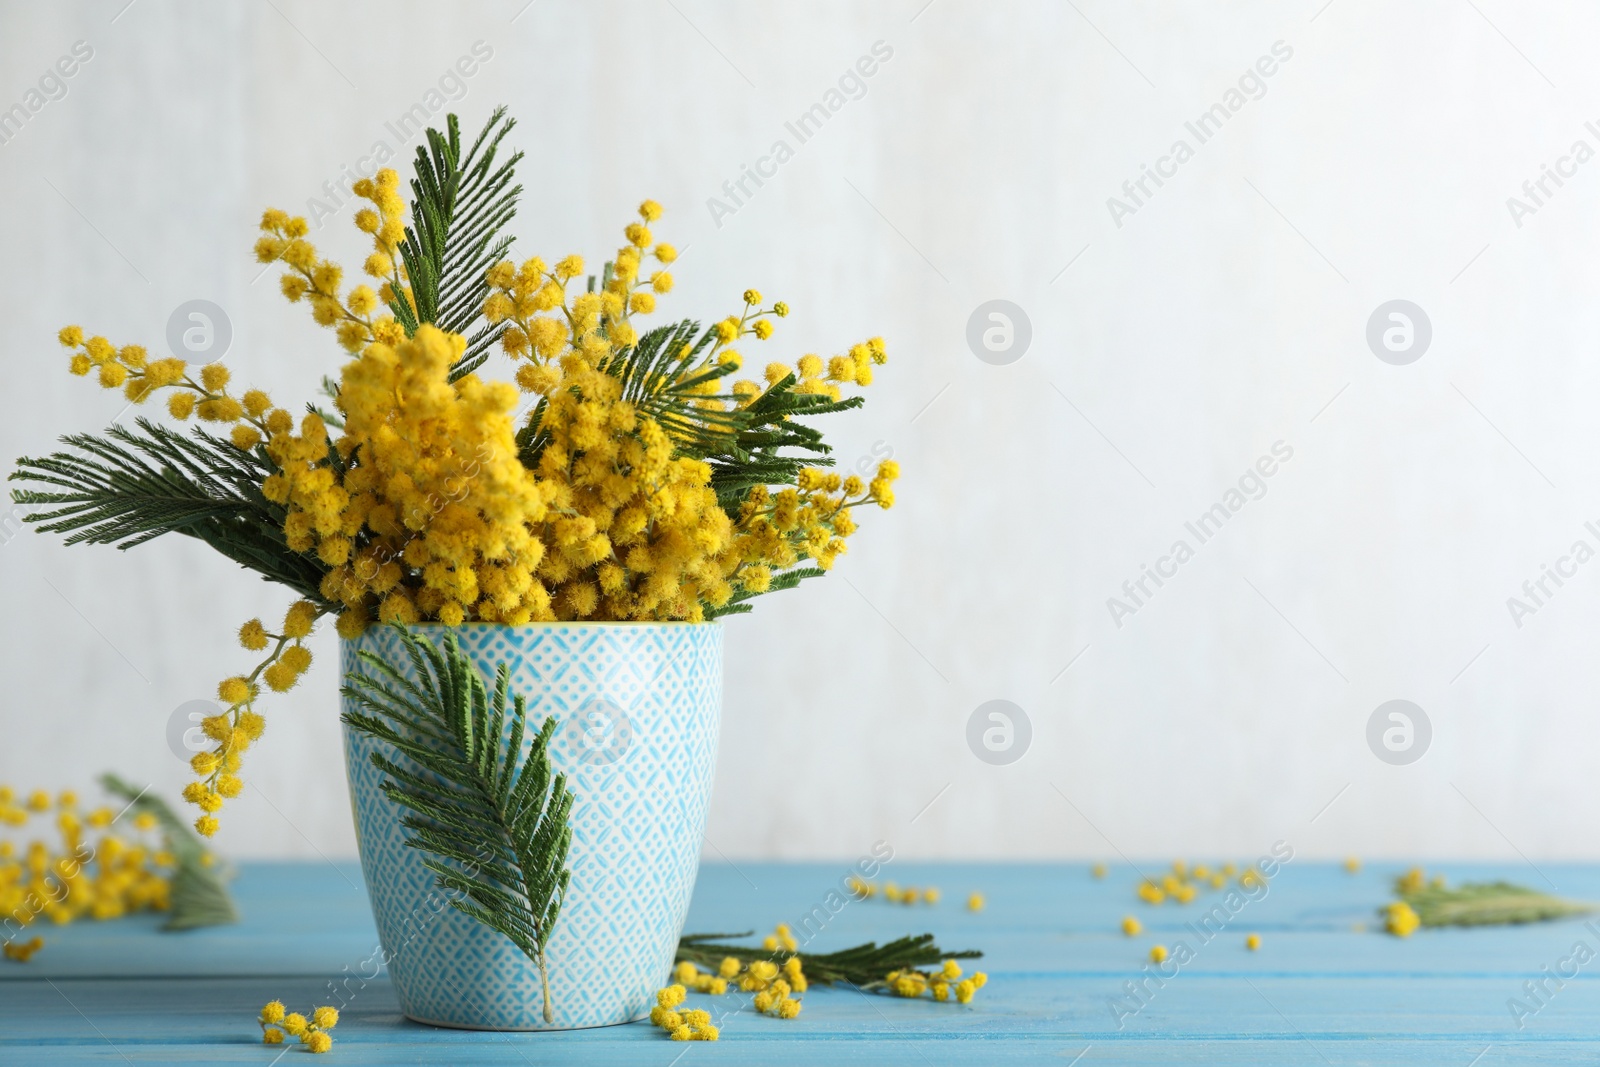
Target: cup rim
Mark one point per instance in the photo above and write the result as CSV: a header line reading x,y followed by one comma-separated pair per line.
x,y
546,625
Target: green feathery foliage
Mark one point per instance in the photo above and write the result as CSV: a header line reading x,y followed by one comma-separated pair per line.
x,y
128,486
656,382
771,424
461,203
199,894
492,823
864,966
1487,904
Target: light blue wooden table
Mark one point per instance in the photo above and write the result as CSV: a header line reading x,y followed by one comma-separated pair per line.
x,y
1318,991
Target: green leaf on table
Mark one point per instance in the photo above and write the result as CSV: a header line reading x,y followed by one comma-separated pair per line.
x,y
1488,904
864,966
199,893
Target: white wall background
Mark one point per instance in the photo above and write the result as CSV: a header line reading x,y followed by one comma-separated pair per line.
x,y
1226,314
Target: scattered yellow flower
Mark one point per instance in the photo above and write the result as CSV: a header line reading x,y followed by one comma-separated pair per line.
x,y
91,872
1400,920
941,985
312,1032
909,895
690,1025
22,952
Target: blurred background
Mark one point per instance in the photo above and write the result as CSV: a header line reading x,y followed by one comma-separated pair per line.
x,y
1196,220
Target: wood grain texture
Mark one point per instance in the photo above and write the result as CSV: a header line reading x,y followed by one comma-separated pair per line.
x,y
1320,990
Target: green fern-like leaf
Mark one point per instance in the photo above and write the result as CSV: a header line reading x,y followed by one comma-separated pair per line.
x,y
773,444
199,895
864,966
1488,904
491,822
461,203
131,485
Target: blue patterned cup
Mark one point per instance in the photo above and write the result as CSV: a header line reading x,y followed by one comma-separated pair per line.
x,y
639,706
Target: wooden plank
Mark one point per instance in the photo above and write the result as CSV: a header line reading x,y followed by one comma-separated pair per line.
x,y
1385,1020
1317,992
295,918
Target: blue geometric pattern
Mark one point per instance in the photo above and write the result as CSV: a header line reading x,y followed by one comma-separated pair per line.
x,y
639,705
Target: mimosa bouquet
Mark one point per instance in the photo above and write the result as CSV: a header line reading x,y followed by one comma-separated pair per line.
x,y
620,474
